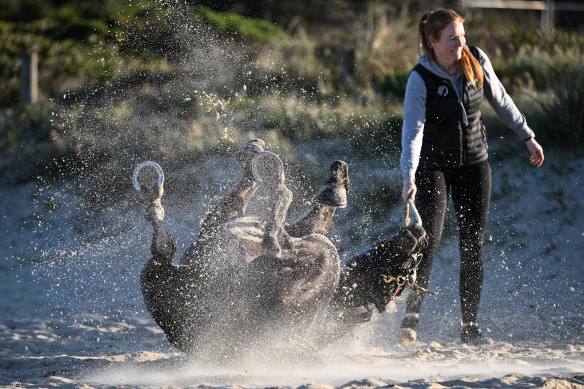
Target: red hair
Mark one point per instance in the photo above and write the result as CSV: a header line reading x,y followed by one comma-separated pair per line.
x,y
431,24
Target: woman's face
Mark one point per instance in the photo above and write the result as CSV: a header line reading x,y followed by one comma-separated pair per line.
x,y
448,48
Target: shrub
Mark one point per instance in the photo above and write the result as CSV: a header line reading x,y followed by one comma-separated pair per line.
x,y
30,124
560,118
231,23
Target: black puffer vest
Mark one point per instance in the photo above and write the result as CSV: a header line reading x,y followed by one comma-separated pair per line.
x,y
447,142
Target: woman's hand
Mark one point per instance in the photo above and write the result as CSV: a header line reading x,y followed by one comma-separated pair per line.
x,y
409,189
535,152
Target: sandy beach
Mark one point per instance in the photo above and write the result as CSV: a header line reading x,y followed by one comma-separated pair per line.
x,y
72,315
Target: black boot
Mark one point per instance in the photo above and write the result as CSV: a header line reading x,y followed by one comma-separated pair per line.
x,y
471,334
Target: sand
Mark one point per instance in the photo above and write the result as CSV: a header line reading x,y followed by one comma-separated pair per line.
x,y
72,316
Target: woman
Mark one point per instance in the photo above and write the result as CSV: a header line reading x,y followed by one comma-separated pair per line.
x,y
444,152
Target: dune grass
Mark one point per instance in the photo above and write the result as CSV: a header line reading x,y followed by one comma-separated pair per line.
x,y
174,84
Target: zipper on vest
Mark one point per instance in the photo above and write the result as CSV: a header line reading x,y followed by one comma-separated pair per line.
x,y
464,117
460,97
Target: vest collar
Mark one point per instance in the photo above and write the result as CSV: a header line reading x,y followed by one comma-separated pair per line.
x,y
456,81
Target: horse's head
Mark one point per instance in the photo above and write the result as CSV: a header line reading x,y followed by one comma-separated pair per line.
x,y
381,273
401,251
397,254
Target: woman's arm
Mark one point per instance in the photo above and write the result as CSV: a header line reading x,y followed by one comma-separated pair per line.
x,y
413,124
508,112
412,133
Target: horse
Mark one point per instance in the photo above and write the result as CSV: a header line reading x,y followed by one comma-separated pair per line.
x,y
252,281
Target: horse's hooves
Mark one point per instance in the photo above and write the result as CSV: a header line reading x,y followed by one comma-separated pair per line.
x,y
250,150
334,191
146,179
335,196
268,167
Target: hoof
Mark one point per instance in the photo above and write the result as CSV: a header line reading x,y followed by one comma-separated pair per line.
x,y
249,150
148,179
334,191
268,167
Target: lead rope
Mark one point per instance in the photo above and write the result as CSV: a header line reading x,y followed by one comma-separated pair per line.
x,y
410,278
401,281
423,290
407,220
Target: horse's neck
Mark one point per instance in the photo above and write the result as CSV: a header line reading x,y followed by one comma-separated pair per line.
x,y
317,220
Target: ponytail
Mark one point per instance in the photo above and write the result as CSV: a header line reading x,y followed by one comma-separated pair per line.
x,y
431,24
424,32
472,69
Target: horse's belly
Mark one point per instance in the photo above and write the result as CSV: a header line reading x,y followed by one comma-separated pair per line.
x,y
244,235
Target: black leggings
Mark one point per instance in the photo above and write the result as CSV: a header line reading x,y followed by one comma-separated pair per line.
x,y
470,188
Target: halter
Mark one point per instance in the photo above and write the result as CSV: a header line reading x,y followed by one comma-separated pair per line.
x,y
408,277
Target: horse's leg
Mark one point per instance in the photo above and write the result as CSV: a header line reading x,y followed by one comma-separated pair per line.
x,y
332,195
160,279
149,180
318,220
231,206
235,203
269,170
280,200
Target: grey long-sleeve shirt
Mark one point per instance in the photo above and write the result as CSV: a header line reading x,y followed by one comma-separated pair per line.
x,y
415,109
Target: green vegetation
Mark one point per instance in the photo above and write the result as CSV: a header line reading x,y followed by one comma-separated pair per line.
x,y
234,24
126,81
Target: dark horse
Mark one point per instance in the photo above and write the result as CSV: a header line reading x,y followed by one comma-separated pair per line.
x,y
251,282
